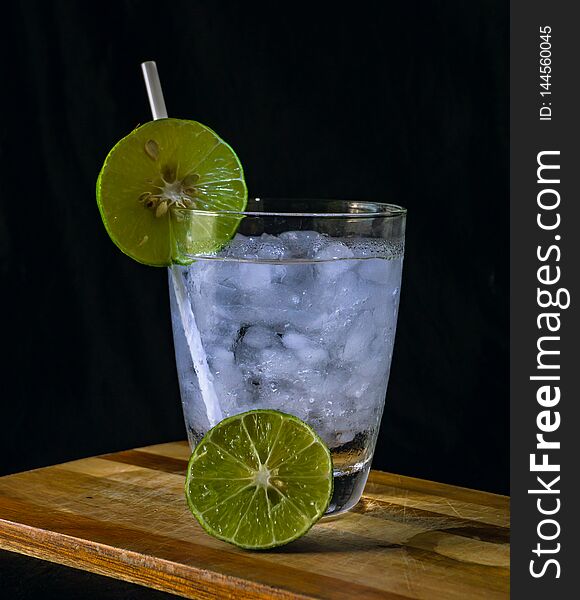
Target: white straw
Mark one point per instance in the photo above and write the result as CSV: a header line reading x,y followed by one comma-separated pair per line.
x,y
196,349
154,91
192,335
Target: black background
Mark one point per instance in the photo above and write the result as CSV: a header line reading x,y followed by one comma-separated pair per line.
x,y
407,104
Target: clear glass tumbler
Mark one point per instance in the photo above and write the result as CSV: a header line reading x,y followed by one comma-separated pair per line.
x,y
296,312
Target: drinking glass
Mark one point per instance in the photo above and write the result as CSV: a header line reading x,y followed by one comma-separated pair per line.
x,y
290,305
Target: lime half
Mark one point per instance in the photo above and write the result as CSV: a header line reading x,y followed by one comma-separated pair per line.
x,y
259,479
151,179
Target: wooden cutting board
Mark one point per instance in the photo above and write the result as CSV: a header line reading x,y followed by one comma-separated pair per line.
x,y
124,515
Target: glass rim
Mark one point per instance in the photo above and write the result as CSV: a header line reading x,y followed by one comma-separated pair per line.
x,y
383,210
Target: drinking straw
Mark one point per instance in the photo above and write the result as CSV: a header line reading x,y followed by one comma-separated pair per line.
x,y
154,91
192,335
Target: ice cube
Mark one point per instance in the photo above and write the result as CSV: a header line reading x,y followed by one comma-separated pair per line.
x,y
253,276
302,319
340,304
344,425
241,246
303,244
343,295
335,261
314,355
228,379
283,397
359,337
272,248
221,360
220,294
357,387
295,341
278,397
373,367
260,337
334,250
335,383
377,270
278,362
306,349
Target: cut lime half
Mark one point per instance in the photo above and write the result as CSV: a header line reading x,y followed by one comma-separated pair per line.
x,y
259,479
153,177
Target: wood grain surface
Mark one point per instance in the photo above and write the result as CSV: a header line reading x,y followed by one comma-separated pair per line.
x,y
124,515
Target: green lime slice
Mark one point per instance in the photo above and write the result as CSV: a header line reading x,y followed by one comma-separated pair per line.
x,y
259,479
153,177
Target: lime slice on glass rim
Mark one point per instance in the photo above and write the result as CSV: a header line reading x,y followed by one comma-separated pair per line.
x,y
259,479
154,175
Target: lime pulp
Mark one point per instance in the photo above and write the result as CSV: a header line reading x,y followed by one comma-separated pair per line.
x,y
152,179
259,480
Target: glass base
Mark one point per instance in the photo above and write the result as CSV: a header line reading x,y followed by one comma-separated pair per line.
x,y
348,489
